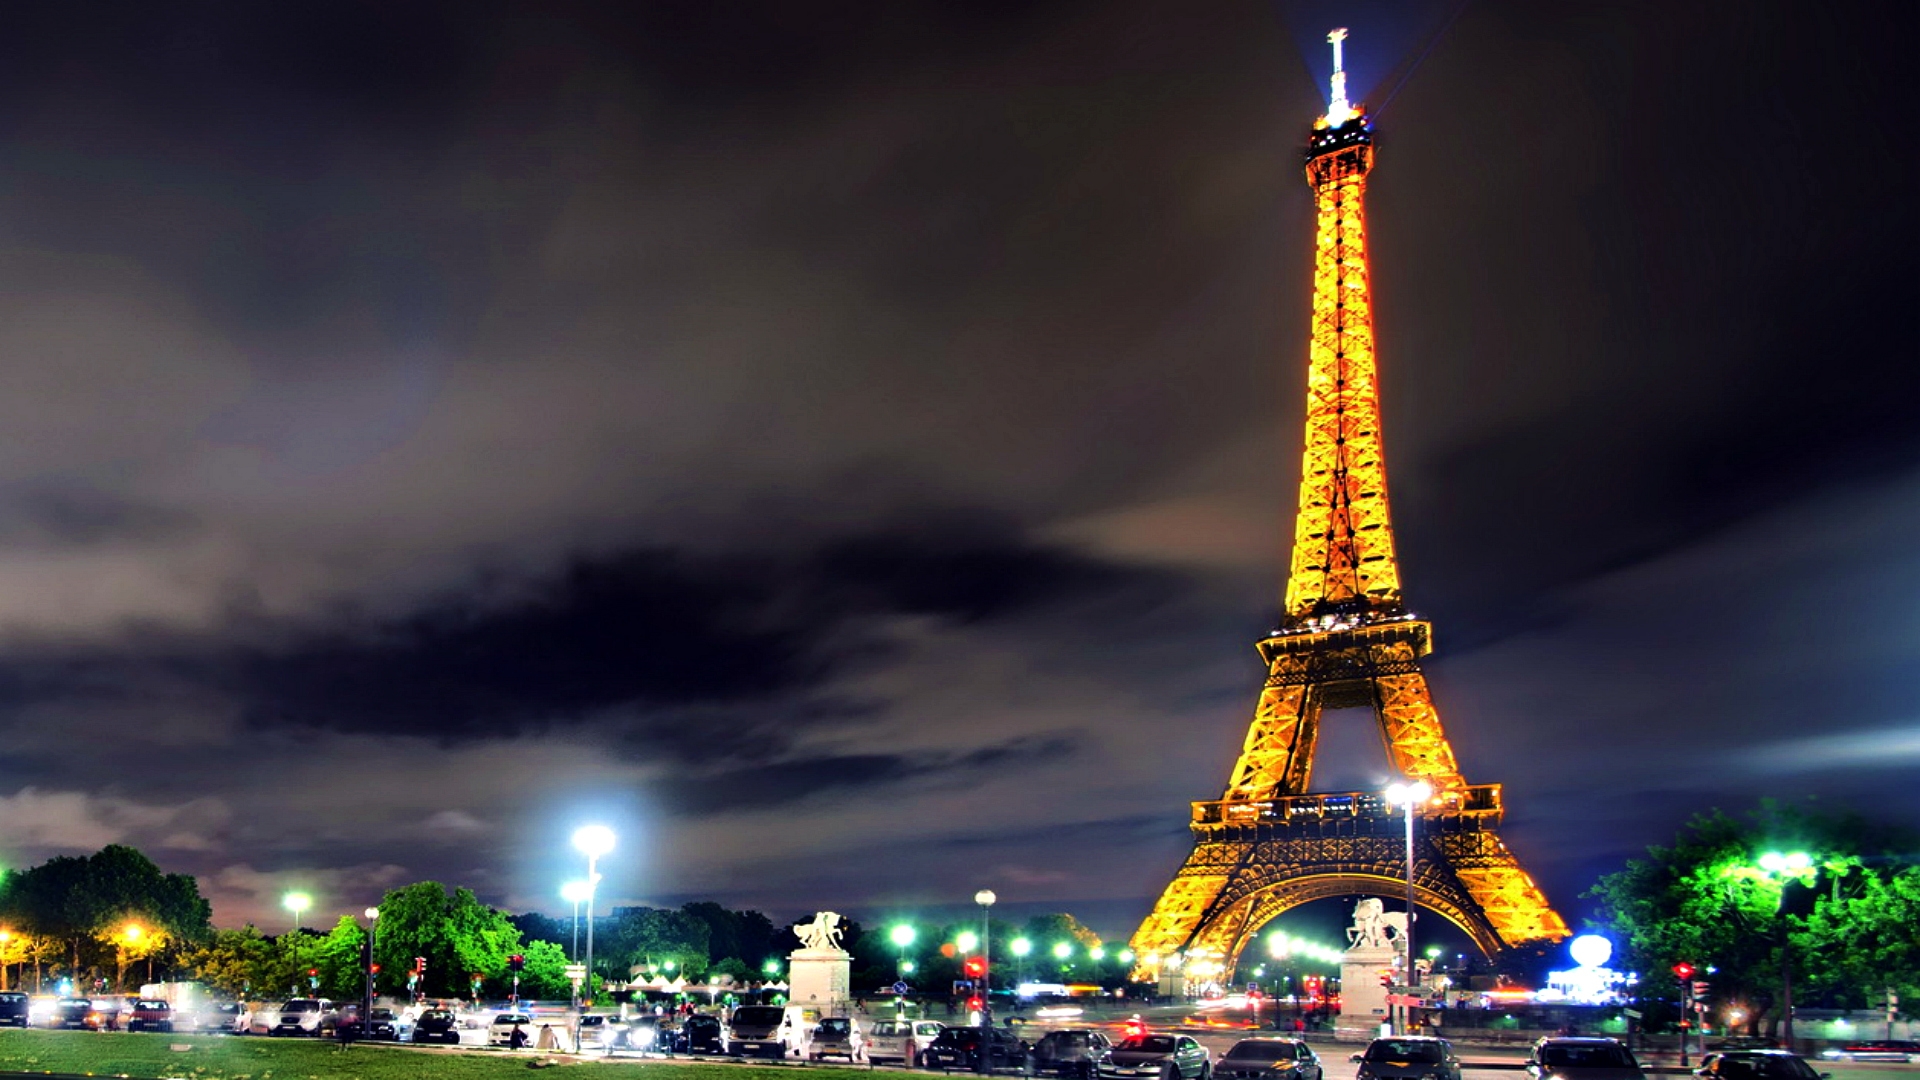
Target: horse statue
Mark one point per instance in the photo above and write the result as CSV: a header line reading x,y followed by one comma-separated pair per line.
x,y
822,933
1374,927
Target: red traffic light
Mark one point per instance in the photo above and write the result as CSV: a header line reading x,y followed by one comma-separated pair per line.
x,y
1683,969
419,965
976,1004
1386,978
975,967
312,972
376,969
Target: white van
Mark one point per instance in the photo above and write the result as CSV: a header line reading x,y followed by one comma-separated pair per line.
x,y
770,1030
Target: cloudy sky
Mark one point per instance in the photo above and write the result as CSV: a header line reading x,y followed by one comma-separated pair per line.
x,y
850,448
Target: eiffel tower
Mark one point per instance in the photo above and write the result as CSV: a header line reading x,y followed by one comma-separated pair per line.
x,y
1345,641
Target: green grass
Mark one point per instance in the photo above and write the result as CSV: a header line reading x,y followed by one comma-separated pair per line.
x,y
152,1057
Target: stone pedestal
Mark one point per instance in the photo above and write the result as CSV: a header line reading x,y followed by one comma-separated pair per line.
x,y
820,979
1363,1001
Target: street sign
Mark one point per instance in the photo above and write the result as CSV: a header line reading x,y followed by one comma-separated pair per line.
x,y
900,987
576,972
1631,1014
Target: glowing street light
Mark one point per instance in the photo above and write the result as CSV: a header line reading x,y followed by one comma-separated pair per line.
x,y
577,893
1062,950
985,898
373,929
1409,796
6,942
298,903
592,841
966,941
901,936
1774,872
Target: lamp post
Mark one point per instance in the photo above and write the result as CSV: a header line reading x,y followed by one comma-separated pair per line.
x,y
366,1009
985,899
575,891
1061,951
1408,796
128,935
593,841
1776,871
1021,947
902,936
6,943
298,903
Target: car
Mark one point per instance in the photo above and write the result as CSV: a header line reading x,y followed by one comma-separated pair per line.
x,y
500,1031
1582,1058
149,1014
1269,1059
298,1017
1756,1065
837,1036
72,1012
384,1026
769,1030
1071,1052
437,1025
41,1010
701,1034
108,1013
16,1008
1167,1056
1407,1057
901,1040
962,1048
1745,1042
598,1031
1876,1050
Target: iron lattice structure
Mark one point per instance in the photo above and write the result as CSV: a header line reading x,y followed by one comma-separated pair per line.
x,y
1345,641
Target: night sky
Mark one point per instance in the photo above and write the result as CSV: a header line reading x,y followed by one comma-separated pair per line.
x,y
850,449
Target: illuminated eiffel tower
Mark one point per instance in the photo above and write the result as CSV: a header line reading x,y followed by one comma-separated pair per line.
x,y
1345,640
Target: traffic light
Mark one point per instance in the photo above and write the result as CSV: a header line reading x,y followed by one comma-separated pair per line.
x,y
1700,988
375,969
1386,978
313,973
976,1004
516,962
1684,970
975,967
419,965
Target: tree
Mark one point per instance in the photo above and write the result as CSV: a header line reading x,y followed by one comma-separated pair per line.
x,y
87,902
237,962
1703,901
545,975
457,934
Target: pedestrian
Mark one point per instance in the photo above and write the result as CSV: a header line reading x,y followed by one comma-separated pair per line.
x,y
343,1030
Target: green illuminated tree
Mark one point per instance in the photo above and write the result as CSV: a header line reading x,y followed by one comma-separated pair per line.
x,y
1705,901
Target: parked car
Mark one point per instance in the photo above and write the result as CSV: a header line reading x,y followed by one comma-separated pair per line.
x,y
1875,1050
1407,1057
42,1009
646,1034
1757,1065
598,1031
701,1034
1583,1059
769,1030
1269,1059
437,1025
149,1014
1071,1052
383,1026
72,1012
107,1013
837,1036
1167,1056
16,1008
500,1031
901,1040
1745,1042
962,1048
299,1017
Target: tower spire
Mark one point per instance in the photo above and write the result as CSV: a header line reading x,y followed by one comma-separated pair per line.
x,y
1338,110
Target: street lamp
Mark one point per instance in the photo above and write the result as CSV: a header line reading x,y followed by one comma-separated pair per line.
x,y
593,841
6,942
1021,947
366,1014
966,941
1408,796
1775,871
902,936
985,899
1062,950
129,934
575,891
298,903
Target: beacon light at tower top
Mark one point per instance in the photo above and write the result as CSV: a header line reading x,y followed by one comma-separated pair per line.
x,y
1339,109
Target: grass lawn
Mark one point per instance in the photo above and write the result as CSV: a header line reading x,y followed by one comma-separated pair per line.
x,y
152,1057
